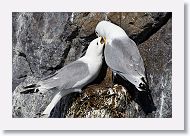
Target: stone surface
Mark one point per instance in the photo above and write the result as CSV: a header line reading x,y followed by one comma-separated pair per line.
x,y
140,25
157,55
45,42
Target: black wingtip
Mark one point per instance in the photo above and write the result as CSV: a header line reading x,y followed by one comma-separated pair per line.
x,y
28,91
30,86
143,98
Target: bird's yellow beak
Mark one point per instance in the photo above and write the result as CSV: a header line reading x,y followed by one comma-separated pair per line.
x,y
103,40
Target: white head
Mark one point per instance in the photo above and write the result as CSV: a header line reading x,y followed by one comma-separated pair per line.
x,y
109,30
95,47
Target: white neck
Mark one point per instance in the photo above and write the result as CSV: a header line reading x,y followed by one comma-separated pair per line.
x,y
93,55
92,59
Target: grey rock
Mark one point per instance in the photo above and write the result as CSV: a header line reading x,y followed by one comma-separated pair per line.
x,y
45,42
157,55
20,70
87,22
28,106
140,25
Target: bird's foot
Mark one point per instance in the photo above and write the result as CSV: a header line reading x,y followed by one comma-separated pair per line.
x,y
115,85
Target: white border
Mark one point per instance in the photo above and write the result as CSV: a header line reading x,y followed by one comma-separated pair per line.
x,y
174,123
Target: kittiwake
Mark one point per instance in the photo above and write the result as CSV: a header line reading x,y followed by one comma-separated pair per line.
x,y
122,55
72,77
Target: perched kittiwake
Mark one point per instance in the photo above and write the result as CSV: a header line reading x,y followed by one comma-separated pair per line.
x,y
72,77
122,55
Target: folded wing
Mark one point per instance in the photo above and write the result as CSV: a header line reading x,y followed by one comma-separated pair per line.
x,y
123,57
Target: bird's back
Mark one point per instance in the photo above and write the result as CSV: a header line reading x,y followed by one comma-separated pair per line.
x,y
66,77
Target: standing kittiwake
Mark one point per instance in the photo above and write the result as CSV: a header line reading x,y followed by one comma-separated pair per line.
x,y
72,77
122,55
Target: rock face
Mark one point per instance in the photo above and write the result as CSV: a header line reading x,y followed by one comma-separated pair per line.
x,y
157,55
45,42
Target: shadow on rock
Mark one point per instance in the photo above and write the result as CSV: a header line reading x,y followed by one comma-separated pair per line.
x,y
102,74
144,99
60,110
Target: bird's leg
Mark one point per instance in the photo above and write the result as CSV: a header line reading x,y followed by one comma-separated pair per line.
x,y
113,78
54,101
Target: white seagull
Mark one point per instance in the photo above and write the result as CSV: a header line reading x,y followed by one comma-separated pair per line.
x,y
122,55
72,77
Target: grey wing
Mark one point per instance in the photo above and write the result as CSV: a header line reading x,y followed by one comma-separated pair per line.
x,y
67,76
123,56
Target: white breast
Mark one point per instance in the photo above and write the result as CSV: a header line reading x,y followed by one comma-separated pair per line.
x,y
94,66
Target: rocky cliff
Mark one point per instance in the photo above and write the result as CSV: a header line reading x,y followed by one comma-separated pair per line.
x,y
45,42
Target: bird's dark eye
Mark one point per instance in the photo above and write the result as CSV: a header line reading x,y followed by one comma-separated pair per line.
x,y
97,43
